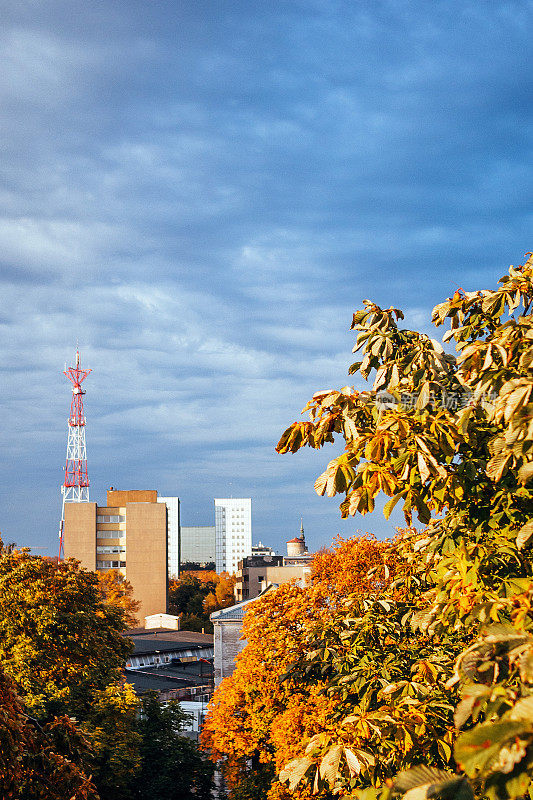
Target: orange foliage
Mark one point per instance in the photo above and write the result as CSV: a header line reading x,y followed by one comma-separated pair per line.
x,y
344,568
203,575
254,715
222,596
224,590
117,591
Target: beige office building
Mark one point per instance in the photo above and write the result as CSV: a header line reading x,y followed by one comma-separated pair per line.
x,y
128,534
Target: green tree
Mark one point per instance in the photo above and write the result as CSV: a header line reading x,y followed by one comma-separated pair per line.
x,y
450,439
172,766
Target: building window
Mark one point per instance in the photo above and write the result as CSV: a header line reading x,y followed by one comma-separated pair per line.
x,y
110,518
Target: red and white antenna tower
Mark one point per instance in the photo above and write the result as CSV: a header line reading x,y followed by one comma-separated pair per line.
x,y
75,487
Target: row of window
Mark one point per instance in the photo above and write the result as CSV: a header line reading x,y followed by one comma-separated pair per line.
x,y
110,564
110,518
115,548
111,533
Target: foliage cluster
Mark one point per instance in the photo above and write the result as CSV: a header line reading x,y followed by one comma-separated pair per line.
x,y
195,595
69,725
256,719
118,591
429,677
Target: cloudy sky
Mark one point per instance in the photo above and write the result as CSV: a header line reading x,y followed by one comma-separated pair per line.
x,y
201,192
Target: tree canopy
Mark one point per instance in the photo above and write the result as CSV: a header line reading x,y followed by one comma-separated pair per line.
x,y
59,641
430,676
255,717
70,727
195,595
117,591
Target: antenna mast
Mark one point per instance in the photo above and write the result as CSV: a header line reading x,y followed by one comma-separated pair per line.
x,y
75,487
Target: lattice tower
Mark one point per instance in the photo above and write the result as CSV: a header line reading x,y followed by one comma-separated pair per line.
x,y
75,488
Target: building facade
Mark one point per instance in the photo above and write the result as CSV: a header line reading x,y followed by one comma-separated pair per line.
x,y
186,543
227,625
128,534
233,532
173,534
198,544
257,572
251,573
261,549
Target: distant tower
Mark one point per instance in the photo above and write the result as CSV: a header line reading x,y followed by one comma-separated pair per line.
x,y
75,487
297,546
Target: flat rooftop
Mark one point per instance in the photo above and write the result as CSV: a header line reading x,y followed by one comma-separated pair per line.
x,y
169,676
162,640
171,633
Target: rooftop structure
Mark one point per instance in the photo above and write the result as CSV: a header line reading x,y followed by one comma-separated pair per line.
x,y
261,549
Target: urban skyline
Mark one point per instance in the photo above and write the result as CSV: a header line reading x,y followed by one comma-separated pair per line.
x,y
202,194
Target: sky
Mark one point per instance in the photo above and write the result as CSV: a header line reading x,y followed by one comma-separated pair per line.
x,y
200,193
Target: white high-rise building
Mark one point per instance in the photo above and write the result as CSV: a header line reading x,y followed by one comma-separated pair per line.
x,y
233,532
173,534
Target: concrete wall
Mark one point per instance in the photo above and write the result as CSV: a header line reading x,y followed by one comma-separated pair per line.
x,y
120,497
146,555
162,621
79,539
285,574
228,645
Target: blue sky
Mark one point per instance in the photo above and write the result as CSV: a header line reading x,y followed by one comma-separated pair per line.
x,y
201,193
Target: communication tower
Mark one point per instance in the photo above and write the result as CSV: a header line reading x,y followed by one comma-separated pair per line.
x,y
75,487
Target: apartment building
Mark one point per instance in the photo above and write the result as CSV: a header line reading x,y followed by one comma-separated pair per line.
x,y
233,532
173,534
129,534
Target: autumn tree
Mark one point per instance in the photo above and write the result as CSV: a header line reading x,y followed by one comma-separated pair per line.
x,y
112,729
256,720
450,440
59,641
40,762
117,591
195,595
70,727
222,596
